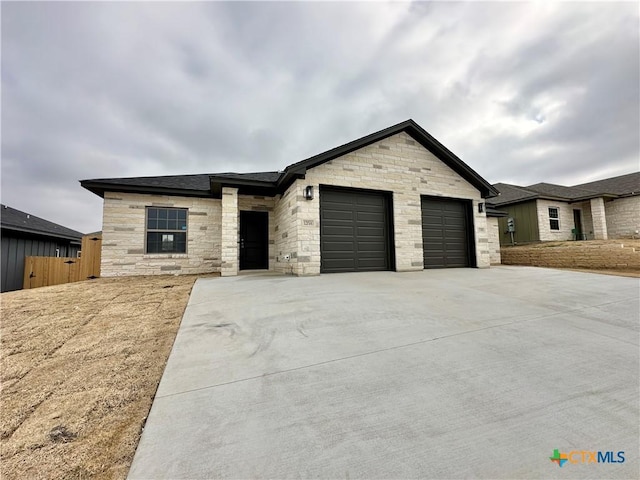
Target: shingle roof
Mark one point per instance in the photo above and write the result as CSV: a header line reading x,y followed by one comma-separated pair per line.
x,y
622,185
560,191
12,219
199,182
271,177
276,182
510,193
187,185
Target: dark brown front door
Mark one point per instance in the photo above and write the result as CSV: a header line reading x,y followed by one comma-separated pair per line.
x,y
254,240
577,221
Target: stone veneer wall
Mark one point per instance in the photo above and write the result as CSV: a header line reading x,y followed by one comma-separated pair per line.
x,y
493,231
623,217
229,232
285,231
261,204
398,164
123,236
599,218
565,212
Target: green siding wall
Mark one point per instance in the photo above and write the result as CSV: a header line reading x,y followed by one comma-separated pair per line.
x,y
526,219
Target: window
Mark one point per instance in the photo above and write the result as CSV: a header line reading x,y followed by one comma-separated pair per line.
x,y
554,218
166,230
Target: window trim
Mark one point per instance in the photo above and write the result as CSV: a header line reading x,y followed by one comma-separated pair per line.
x,y
147,230
552,218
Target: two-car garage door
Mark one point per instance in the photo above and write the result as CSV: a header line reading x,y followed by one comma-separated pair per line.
x,y
355,231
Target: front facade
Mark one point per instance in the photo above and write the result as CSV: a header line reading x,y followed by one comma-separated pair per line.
x,y
605,209
394,200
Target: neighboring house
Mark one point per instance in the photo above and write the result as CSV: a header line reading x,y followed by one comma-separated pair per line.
x,y
393,200
608,208
26,235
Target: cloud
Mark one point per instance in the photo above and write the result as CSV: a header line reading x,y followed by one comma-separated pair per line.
x,y
523,92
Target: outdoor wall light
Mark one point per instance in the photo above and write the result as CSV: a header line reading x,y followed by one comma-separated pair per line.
x,y
308,192
480,207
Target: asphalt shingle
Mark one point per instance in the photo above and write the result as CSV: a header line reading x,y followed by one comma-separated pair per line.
x,y
12,219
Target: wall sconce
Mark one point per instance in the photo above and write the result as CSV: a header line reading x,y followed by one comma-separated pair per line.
x,y
480,207
308,192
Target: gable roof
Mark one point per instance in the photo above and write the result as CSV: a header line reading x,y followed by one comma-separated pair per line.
x,y
271,183
12,219
416,132
621,186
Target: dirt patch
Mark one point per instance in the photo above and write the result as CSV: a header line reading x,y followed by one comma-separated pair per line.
x,y
604,256
80,364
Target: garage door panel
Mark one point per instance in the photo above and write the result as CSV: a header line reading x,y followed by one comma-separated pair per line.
x,y
445,233
346,246
370,199
341,230
338,215
370,217
368,248
371,265
371,231
354,231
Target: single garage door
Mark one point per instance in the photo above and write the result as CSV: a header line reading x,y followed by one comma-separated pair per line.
x,y
354,231
445,233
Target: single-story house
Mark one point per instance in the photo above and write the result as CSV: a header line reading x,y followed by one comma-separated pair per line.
x,y
393,200
26,235
599,210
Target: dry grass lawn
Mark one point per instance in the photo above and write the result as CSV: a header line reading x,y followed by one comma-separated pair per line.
x,y
80,364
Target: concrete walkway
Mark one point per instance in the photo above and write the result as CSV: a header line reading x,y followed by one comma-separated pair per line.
x,y
434,374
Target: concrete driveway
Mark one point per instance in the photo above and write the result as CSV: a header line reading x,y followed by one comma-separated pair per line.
x,y
434,374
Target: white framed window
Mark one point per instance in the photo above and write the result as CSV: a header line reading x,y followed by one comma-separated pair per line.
x,y
554,218
166,230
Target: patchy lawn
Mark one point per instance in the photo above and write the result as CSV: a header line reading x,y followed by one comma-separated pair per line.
x,y
80,364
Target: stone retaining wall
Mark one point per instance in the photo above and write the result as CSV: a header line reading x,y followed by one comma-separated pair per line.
x,y
612,256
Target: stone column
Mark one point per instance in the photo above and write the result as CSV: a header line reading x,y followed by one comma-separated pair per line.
x,y
599,219
229,236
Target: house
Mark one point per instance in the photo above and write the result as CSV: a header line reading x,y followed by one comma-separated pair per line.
x,y
608,208
393,200
26,235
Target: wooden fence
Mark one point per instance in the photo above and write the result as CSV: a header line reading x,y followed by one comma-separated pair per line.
x,y
45,271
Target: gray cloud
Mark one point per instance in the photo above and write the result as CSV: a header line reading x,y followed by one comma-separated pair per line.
x,y
522,92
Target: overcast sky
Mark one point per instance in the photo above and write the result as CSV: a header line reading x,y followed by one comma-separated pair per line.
x,y
522,92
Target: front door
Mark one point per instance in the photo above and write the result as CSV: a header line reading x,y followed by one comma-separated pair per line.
x,y
254,240
577,221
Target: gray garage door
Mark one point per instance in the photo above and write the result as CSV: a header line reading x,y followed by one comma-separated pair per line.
x,y
445,233
354,231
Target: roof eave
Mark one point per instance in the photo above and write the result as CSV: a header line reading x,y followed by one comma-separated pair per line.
x,y
245,187
32,231
595,195
512,202
100,188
